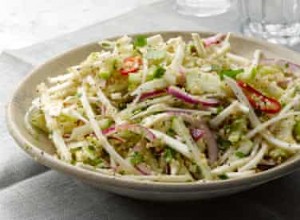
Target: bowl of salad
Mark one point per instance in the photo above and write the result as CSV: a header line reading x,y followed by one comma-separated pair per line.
x,y
164,116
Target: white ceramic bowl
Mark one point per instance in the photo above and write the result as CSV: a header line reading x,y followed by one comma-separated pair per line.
x,y
42,149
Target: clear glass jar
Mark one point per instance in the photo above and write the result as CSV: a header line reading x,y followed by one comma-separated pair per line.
x,y
277,21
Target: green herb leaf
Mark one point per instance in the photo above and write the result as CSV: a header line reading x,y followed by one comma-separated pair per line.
x,y
253,73
223,177
169,154
106,45
240,154
220,109
140,41
230,73
136,158
223,144
159,72
171,132
286,65
96,162
192,48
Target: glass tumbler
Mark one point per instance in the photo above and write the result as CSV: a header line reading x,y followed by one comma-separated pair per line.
x,y
277,21
202,8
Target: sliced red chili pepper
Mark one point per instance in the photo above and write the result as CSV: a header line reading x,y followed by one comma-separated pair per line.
x,y
260,101
131,65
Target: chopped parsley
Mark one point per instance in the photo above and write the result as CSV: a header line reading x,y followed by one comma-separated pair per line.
x,y
169,154
140,41
240,154
136,158
220,109
230,73
223,177
223,144
254,72
159,72
286,65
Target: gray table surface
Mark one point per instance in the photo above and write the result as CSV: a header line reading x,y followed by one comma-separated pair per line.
x,y
31,191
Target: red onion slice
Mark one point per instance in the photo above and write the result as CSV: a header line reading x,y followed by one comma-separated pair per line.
x,y
109,131
211,142
184,96
208,136
152,94
216,39
121,140
197,133
143,168
130,127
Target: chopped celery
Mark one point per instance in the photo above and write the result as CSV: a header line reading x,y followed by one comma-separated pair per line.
x,y
285,130
245,146
234,136
90,152
140,41
38,120
105,123
135,78
155,54
278,154
237,129
67,123
265,70
104,74
253,72
200,82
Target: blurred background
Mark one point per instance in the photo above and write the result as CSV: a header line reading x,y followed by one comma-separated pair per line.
x,y
23,22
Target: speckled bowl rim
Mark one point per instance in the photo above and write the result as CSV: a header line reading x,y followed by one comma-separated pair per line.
x,y
52,162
